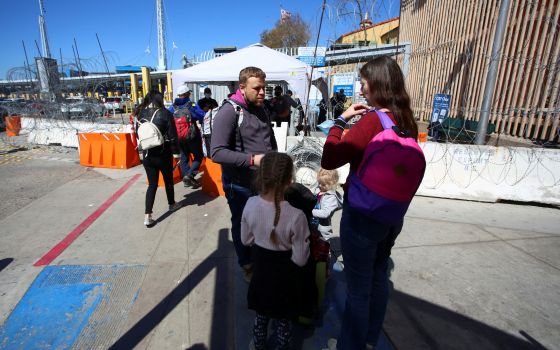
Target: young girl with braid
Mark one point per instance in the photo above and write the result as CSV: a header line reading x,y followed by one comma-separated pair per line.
x,y
279,236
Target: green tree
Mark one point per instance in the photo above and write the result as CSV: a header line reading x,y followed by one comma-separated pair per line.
x,y
291,32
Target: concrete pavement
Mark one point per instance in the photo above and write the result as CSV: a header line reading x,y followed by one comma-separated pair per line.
x,y
466,274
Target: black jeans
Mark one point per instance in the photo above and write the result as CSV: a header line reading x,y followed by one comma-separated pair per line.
x,y
153,164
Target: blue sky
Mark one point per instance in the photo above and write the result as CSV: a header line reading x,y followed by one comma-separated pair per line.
x,y
126,27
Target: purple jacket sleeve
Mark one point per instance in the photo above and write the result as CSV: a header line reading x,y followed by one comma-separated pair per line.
x,y
223,143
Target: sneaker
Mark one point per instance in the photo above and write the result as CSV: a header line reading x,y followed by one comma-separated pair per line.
x,y
149,222
190,180
194,182
331,344
175,206
186,181
338,266
247,272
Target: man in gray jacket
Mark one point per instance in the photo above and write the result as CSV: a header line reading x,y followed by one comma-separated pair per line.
x,y
241,135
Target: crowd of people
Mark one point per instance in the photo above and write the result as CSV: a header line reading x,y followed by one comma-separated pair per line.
x,y
276,223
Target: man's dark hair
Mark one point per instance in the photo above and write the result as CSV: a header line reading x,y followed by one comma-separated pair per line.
x,y
207,90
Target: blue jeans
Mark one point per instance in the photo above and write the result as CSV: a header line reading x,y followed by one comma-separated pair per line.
x,y
366,247
237,197
187,148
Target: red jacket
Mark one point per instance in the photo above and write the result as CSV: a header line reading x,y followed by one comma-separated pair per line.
x,y
340,150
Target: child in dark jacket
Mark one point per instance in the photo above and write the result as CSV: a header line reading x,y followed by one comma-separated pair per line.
x,y
279,235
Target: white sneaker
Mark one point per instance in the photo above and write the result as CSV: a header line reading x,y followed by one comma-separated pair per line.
x,y
149,222
331,343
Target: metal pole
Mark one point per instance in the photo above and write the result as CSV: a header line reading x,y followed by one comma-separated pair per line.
x,y
492,73
306,110
27,67
162,46
43,31
103,54
78,57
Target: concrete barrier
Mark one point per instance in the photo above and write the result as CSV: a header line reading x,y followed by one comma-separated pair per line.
x,y
481,173
64,132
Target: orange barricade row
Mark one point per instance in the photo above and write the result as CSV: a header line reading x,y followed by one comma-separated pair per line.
x,y
108,150
212,178
13,126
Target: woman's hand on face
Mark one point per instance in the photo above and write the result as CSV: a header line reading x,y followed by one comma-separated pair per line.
x,y
354,110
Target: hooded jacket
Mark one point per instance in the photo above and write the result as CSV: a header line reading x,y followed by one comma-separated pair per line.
x,y
236,138
330,202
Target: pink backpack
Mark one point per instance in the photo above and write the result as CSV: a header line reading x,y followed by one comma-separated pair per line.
x,y
389,175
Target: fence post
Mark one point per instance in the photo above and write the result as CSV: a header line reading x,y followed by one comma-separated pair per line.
x,y
492,73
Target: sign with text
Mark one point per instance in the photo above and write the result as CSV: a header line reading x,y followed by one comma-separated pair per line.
x,y
344,82
307,54
440,110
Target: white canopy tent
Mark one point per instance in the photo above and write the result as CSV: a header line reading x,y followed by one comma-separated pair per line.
x,y
225,69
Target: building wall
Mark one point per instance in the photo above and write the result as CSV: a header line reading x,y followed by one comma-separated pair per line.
x,y
376,34
451,46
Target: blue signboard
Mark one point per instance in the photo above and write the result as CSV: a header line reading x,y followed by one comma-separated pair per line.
x,y
319,61
440,110
348,89
313,56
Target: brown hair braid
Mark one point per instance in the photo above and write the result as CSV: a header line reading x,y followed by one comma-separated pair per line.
x,y
275,174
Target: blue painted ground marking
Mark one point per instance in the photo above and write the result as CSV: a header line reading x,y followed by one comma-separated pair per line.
x,y
68,306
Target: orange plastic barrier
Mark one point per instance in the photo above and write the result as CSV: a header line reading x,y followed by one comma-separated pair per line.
x,y
108,150
212,178
13,126
422,137
177,176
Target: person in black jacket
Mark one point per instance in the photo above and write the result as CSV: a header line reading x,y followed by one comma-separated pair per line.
x,y
159,158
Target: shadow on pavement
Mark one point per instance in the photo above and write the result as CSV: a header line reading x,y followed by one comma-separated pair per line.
x,y
198,197
5,262
222,311
415,323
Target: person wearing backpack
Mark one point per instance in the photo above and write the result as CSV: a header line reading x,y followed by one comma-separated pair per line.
x,y
371,221
186,113
241,135
157,156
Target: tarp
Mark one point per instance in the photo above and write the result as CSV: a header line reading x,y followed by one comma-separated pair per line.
x,y
225,69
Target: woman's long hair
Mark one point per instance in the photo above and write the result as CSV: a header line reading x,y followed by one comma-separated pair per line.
x,y
275,174
387,90
153,97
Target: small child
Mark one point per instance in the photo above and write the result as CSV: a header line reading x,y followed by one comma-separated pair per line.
x,y
328,201
279,235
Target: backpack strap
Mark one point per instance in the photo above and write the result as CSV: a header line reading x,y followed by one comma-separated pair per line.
x,y
153,115
238,118
385,120
387,123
